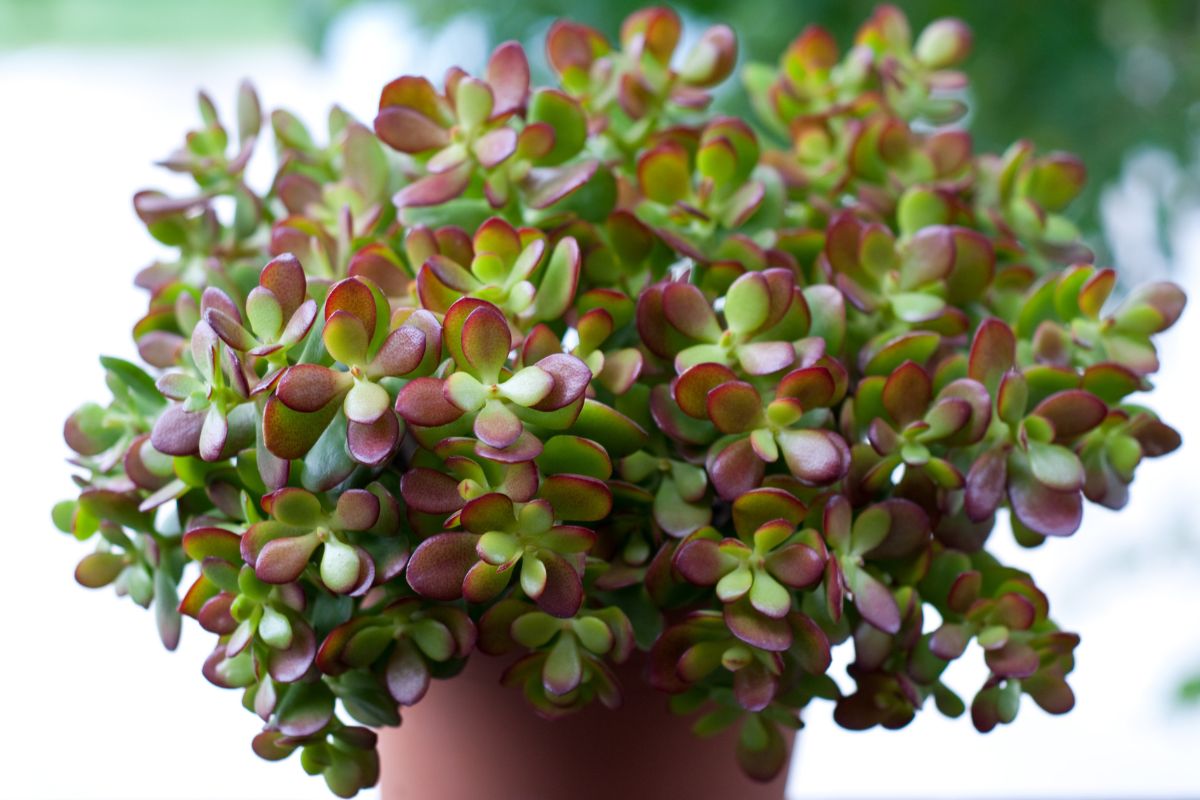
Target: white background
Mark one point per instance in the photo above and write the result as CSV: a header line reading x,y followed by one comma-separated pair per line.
x,y
91,706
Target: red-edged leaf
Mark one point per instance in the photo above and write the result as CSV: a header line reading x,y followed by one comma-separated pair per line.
x,y
563,593
734,407
508,75
439,564
759,630
422,402
816,457
735,469
435,189
1072,412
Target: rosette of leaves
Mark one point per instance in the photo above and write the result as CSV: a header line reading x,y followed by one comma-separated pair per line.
x,y
567,668
909,425
1022,196
692,190
264,637
1034,461
632,89
212,416
753,575
498,536
601,315
336,417
334,197
482,396
765,315
515,270
398,644
357,539
188,222
914,80
753,433
1063,322
911,289
487,137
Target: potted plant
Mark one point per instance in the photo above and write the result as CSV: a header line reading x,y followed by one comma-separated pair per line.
x,y
593,394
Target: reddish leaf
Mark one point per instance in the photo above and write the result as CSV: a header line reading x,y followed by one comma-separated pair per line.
x,y
422,402
734,407
435,189
816,457
439,564
508,75
993,353
563,593
431,491
759,630
577,497
1072,412
692,387
310,387
735,469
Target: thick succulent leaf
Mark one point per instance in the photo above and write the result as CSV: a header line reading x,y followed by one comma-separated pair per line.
x,y
282,560
734,468
496,425
374,443
701,562
439,564
796,565
993,353
562,595
874,601
577,497
758,630
677,515
485,342
430,491
571,379
816,457
1039,507
764,358
747,303
687,309
575,454
435,189
1072,412
556,289
754,686
663,174
423,402
907,393
177,432
691,388
754,509
734,407
309,388
528,386
769,596
762,754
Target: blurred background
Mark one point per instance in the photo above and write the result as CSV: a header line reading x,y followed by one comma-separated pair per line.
x,y
92,91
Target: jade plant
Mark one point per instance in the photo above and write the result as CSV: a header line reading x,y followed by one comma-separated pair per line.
x,y
586,374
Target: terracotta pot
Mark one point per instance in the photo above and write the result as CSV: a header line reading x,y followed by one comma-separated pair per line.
x,y
472,739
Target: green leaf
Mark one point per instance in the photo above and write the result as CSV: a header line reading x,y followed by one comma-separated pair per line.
x,y
564,115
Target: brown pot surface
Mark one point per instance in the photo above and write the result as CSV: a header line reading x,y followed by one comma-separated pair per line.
x,y
472,739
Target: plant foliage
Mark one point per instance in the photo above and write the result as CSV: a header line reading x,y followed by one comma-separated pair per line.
x,y
567,374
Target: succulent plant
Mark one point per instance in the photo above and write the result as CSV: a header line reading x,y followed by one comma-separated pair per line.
x,y
583,374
